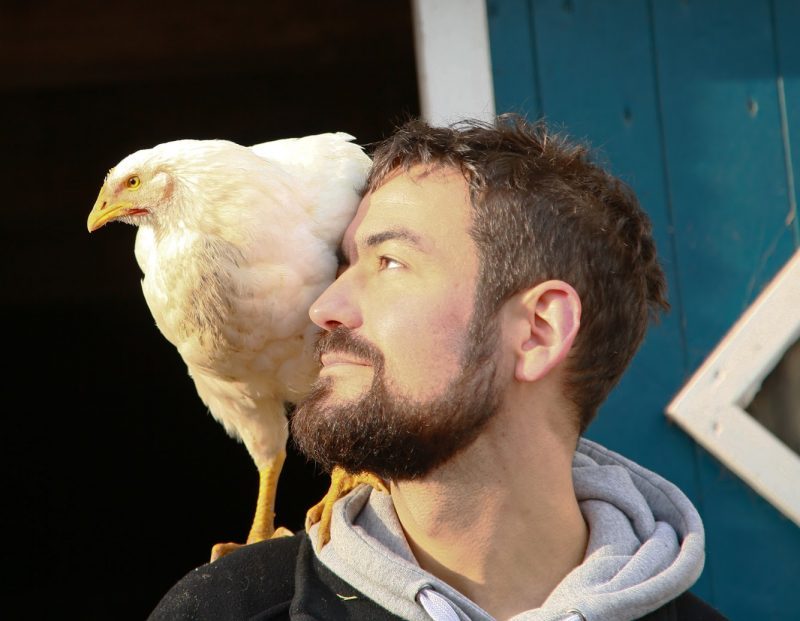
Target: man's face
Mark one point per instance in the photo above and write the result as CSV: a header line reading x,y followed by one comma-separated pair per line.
x,y
408,372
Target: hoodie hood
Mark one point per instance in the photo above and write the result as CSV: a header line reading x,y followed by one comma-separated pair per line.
x,y
646,546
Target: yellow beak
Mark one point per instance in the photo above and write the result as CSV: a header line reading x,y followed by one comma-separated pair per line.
x,y
102,213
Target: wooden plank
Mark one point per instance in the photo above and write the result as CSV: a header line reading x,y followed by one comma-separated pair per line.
x,y
727,179
513,57
725,157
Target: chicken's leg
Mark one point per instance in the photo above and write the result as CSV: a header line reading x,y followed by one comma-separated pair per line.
x,y
341,483
264,521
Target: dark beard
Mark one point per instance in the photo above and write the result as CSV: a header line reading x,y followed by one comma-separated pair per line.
x,y
389,435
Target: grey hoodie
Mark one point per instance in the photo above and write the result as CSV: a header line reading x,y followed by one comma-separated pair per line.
x,y
646,546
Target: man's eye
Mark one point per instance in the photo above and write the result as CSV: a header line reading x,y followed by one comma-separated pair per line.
x,y
388,263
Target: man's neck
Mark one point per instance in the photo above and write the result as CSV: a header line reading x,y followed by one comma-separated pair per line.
x,y
500,522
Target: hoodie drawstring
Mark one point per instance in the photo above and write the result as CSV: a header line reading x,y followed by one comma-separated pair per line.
x,y
436,605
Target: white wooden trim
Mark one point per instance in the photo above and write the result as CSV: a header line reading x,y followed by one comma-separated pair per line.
x,y
711,406
454,69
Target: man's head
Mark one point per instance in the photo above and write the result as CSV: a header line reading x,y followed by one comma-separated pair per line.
x,y
488,212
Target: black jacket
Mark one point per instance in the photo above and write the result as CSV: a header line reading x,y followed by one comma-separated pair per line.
x,y
282,579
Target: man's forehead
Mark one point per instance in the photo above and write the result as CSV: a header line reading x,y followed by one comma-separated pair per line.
x,y
420,187
418,206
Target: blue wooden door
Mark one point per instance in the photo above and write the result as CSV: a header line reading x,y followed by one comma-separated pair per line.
x,y
696,103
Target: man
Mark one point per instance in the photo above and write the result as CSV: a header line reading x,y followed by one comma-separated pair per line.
x,y
494,285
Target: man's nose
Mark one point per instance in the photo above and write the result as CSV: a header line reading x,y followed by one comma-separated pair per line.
x,y
335,307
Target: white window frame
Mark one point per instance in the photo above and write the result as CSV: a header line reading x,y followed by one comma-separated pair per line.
x,y
711,406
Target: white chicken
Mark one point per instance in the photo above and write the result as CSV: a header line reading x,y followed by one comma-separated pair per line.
x,y
235,243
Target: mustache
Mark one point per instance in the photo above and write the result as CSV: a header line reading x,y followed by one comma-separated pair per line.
x,y
343,340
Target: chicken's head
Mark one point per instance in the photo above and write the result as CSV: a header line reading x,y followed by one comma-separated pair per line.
x,y
133,192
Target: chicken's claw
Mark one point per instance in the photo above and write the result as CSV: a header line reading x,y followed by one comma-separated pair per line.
x,y
342,482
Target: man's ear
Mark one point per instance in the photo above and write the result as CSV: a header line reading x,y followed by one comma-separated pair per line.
x,y
548,319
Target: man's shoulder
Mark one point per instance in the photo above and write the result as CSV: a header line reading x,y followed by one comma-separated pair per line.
x,y
685,607
257,578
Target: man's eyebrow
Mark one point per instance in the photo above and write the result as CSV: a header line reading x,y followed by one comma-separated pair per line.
x,y
403,234
399,233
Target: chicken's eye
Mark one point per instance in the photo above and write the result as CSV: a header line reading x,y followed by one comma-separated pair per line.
x,y
133,182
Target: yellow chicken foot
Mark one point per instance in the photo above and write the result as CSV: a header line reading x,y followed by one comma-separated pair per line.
x,y
264,521
342,482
